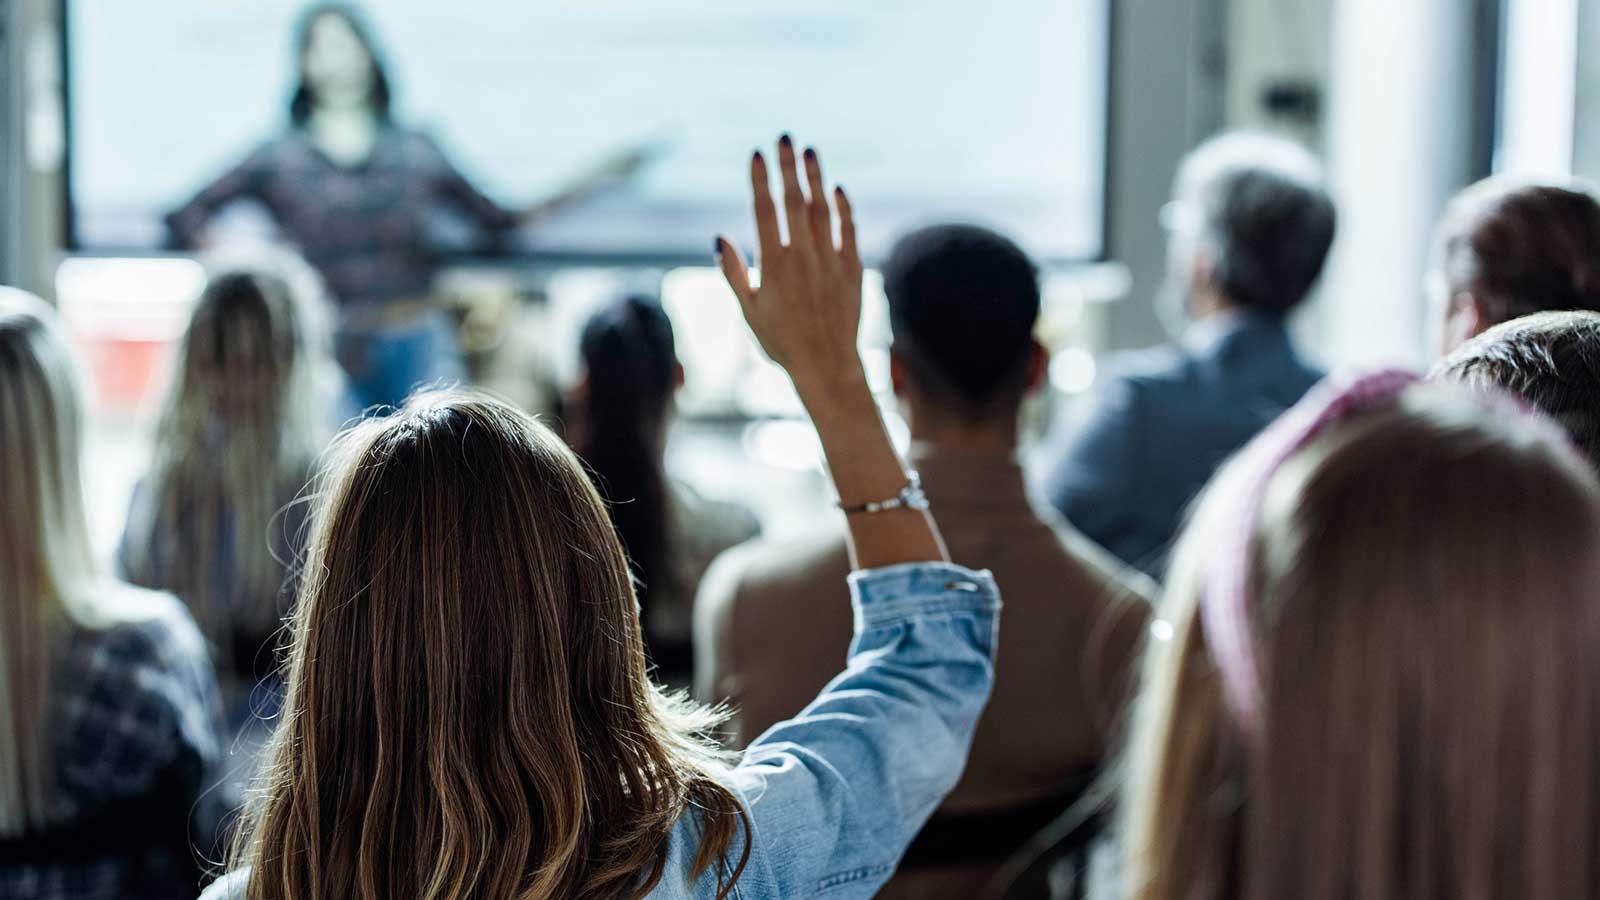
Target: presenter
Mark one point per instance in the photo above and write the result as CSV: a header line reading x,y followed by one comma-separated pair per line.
x,y
355,190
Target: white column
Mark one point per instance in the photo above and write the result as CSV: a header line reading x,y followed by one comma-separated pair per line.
x,y
1399,143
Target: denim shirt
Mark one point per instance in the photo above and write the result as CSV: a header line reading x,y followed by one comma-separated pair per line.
x,y
836,794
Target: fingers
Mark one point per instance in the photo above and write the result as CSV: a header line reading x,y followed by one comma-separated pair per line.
x,y
847,231
766,212
794,199
735,270
820,217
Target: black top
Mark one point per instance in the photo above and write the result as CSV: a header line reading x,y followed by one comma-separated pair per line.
x,y
363,227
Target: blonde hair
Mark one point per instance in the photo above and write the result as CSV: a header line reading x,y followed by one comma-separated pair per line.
x,y
49,580
1424,581
237,440
468,712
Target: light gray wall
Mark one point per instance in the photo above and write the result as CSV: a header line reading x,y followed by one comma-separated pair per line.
x,y
10,147
1586,121
30,199
1166,95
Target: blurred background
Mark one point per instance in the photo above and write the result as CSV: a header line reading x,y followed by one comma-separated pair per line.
x,y
1059,122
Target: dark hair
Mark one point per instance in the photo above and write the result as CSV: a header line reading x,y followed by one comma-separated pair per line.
x,y
631,359
963,301
301,102
1522,248
1551,360
1265,214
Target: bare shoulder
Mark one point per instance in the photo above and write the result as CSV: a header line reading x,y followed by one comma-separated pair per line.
x,y
1123,582
769,570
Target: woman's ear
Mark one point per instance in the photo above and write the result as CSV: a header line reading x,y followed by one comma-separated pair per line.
x,y
677,376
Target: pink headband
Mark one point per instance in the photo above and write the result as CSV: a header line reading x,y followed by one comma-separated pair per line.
x,y
1225,605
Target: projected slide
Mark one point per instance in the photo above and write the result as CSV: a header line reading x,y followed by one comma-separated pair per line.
x,y
925,109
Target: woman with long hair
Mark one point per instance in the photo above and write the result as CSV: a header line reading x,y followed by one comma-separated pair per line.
x,y
109,723
1377,676
469,712
215,522
621,415
354,190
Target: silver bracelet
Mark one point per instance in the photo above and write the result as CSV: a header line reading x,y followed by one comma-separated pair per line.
x,y
910,497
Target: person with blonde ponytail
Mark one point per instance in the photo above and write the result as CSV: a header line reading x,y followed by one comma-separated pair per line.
x,y
216,520
109,717
468,711
1376,675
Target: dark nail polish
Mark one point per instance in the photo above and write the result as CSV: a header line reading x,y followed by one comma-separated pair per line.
x,y
785,142
716,246
811,154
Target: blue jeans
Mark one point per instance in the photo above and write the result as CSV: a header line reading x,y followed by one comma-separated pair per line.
x,y
386,363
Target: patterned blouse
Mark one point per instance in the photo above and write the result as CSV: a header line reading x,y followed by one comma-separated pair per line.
x,y
137,734
365,228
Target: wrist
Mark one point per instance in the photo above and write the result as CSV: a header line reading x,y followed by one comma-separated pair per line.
x,y
829,384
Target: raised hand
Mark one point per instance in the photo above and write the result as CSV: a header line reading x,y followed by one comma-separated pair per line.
x,y
806,314
807,311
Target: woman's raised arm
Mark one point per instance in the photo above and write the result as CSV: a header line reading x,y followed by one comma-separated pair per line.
x,y
806,313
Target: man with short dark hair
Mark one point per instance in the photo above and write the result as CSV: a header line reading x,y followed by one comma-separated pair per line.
x,y
1249,228
1550,359
963,305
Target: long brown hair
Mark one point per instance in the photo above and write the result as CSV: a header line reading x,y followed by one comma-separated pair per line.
x,y
1424,582
468,712
238,439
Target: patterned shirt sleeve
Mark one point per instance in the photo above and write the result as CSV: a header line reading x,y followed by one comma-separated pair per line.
x,y
248,179
454,187
142,709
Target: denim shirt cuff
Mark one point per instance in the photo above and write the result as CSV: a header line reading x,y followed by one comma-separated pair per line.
x,y
892,594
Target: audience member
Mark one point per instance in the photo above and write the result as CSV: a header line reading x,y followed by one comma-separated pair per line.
x,y
622,412
468,711
215,521
1380,680
1248,230
1551,360
1505,249
963,302
109,718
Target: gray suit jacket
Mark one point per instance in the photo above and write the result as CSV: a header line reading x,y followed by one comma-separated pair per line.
x,y
1159,424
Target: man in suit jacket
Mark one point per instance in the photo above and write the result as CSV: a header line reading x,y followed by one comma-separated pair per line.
x,y
963,304
1248,231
